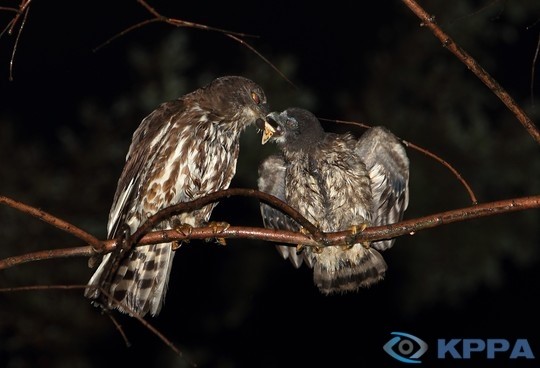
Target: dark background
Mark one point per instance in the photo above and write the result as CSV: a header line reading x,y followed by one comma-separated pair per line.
x,y
66,121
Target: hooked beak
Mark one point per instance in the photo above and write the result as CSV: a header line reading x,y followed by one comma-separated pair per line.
x,y
268,128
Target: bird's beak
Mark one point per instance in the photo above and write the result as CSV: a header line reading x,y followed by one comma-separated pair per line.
x,y
267,127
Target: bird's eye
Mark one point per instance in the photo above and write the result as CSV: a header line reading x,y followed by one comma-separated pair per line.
x,y
255,97
291,123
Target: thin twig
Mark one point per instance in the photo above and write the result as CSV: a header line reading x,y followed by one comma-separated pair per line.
x,y
474,201
146,324
53,220
158,17
533,68
262,57
425,152
183,23
429,22
23,10
132,313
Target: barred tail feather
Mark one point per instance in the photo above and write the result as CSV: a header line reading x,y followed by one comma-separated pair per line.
x,y
290,252
95,282
140,283
348,270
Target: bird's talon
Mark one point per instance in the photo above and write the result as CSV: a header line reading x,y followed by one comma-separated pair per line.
x,y
176,244
184,229
317,249
355,229
219,226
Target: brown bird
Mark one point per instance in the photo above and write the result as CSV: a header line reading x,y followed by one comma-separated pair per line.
x,y
183,150
338,182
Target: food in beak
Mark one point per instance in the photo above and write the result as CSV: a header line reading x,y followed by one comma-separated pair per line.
x,y
268,132
267,129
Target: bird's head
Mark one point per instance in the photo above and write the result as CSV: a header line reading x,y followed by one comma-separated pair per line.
x,y
236,100
295,127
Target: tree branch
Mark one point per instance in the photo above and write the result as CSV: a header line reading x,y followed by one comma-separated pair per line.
x,y
54,221
159,18
214,197
23,10
425,152
370,234
429,22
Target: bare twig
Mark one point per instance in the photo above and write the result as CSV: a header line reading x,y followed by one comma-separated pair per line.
x,y
119,328
146,324
159,18
533,68
429,22
425,152
237,39
23,10
448,166
370,234
141,320
52,220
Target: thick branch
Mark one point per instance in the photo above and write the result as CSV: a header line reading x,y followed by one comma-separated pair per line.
x,y
429,22
287,237
214,197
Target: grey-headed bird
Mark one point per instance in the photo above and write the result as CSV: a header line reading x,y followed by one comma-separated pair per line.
x,y
338,182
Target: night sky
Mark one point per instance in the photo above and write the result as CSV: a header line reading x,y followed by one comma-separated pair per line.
x,y
67,117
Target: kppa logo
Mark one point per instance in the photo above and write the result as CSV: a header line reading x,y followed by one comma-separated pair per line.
x,y
402,348
405,347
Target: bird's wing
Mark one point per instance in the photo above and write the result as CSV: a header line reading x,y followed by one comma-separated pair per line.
x,y
138,157
272,181
388,165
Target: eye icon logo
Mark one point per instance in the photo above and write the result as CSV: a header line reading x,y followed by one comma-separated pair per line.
x,y
404,344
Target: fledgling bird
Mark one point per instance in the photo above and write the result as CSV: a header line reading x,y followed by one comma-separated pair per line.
x,y
338,182
183,150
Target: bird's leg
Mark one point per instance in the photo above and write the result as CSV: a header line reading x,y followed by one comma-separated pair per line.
x,y
351,239
218,227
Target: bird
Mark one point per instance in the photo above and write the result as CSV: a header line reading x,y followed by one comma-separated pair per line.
x,y
338,182
183,150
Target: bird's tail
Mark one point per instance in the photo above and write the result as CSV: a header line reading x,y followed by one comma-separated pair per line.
x,y
139,282
337,270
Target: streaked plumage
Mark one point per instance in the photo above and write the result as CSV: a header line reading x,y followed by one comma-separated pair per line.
x,y
183,150
336,181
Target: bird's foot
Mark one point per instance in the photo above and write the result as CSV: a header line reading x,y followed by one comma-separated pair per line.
x,y
175,245
351,240
300,247
218,227
185,230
